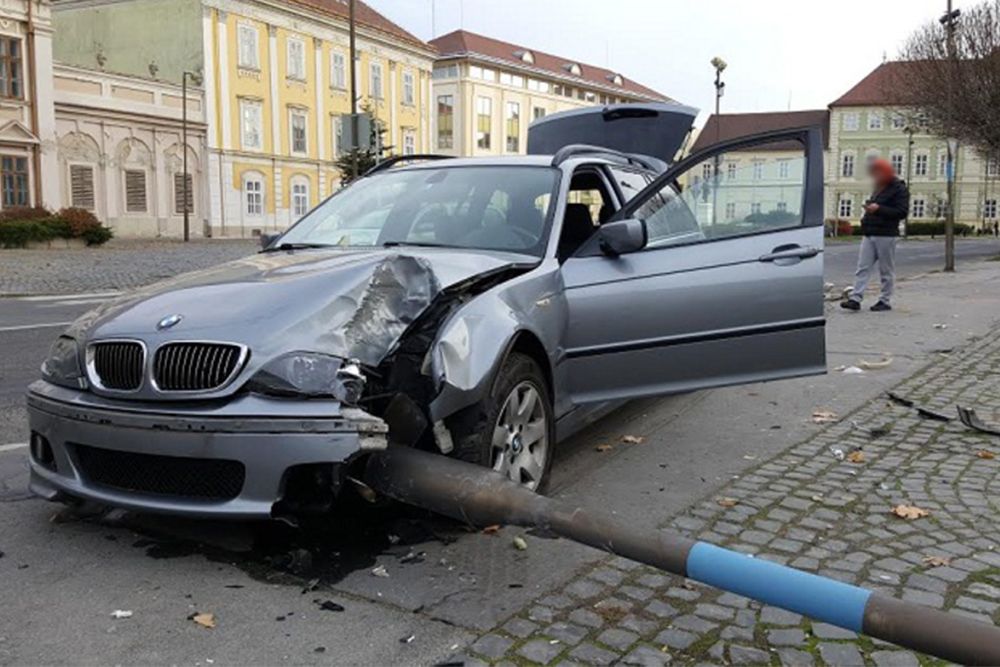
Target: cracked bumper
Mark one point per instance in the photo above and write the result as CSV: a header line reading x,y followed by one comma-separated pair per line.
x,y
264,438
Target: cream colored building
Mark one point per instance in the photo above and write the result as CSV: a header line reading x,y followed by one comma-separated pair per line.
x,y
275,84
487,92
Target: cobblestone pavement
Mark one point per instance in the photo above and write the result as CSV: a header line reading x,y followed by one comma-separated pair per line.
x,y
816,510
120,264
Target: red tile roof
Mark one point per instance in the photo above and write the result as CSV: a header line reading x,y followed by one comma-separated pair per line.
x,y
881,87
365,16
462,43
734,125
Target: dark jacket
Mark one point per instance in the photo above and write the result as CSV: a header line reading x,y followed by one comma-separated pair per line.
x,y
893,205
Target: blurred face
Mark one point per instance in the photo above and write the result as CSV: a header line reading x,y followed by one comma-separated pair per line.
x,y
881,172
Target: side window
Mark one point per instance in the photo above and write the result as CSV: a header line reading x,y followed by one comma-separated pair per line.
x,y
629,182
762,192
588,204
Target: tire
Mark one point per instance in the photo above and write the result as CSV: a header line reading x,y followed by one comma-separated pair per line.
x,y
527,453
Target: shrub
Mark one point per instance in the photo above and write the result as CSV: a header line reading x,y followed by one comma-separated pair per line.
x,y
98,235
80,220
24,213
34,227
19,233
935,228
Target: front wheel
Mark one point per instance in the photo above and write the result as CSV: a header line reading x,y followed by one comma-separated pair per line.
x,y
512,430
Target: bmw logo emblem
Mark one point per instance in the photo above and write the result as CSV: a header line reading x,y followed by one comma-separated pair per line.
x,y
168,321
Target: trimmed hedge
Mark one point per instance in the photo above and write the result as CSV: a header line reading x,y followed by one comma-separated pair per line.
x,y
935,228
21,226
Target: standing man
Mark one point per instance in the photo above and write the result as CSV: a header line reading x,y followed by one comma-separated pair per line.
x,y
888,205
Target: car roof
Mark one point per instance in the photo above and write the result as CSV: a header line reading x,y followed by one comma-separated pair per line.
x,y
510,161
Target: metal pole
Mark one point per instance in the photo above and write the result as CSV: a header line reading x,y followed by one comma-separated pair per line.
x,y
354,92
949,20
909,171
719,64
184,143
483,497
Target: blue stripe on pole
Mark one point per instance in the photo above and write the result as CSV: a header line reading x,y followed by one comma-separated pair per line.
x,y
817,597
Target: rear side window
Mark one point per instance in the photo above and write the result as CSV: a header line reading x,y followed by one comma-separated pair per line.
x,y
629,182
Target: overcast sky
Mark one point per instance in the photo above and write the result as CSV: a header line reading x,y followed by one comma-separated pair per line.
x,y
798,54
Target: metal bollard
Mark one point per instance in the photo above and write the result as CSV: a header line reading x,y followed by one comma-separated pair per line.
x,y
482,497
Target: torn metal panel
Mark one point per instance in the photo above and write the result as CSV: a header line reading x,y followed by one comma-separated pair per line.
x,y
969,417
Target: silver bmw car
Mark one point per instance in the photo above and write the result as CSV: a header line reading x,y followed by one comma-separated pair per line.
x,y
484,308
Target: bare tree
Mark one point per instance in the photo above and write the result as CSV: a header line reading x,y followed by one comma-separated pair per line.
x,y
955,84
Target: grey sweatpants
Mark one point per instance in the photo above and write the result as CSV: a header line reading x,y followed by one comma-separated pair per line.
x,y
881,250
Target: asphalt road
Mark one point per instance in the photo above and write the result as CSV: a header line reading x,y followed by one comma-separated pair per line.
x,y
913,257
65,574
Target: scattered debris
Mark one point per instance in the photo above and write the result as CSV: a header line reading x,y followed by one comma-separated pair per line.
x,y
929,413
328,605
824,417
413,557
408,639
940,325
969,417
633,439
520,544
604,447
909,512
727,502
899,400
875,365
878,431
237,586
936,561
491,530
985,454
312,585
852,370
838,453
319,649
121,613
380,571
857,456
203,619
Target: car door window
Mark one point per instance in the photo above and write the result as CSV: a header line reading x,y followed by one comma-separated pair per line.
x,y
751,191
588,204
629,182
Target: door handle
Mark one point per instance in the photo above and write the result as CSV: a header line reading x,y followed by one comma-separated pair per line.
x,y
790,254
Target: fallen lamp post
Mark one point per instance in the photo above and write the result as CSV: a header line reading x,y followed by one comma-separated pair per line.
x,y
481,497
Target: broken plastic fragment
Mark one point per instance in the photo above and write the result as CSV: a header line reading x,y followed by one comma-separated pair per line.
x,y
121,613
380,571
203,619
520,544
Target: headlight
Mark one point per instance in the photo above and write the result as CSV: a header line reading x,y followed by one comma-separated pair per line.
x,y
310,374
62,366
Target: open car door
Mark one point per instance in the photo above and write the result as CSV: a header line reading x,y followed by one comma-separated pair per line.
x,y
728,287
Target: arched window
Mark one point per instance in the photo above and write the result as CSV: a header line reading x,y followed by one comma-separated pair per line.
x,y
253,194
300,196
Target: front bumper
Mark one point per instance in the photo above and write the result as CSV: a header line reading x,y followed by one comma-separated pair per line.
x,y
263,438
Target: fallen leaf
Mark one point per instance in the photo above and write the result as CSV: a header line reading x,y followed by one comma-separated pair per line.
x,y
604,448
985,454
204,620
632,439
380,571
936,561
520,544
909,512
875,365
824,416
727,502
857,456
491,530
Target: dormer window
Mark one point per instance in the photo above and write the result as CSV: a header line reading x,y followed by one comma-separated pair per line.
x,y
616,79
525,56
574,69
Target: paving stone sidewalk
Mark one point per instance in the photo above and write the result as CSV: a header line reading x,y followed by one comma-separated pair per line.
x,y
810,507
121,264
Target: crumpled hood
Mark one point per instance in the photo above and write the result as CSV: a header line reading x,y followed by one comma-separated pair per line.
x,y
349,303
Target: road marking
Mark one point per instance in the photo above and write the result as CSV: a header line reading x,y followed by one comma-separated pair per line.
x,y
12,447
58,297
25,327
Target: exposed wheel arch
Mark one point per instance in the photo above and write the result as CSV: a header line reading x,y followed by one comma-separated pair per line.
x,y
527,343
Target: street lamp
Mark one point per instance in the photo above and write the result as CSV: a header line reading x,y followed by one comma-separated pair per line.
x,y
196,80
720,65
949,20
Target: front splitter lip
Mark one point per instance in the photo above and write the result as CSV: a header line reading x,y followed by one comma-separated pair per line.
x,y
267,446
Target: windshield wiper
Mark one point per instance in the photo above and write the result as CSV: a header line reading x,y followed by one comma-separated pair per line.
x,y
417,244
297,246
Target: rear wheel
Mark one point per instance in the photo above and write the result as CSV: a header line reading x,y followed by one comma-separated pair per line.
x,y
512,430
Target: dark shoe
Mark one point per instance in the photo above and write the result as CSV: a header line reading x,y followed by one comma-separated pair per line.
x,y
881,307
850,304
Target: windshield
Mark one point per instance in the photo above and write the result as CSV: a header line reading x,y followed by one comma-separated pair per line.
x,y
489,208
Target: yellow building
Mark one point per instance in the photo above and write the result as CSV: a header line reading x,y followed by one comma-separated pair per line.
x,y
488,91
275,78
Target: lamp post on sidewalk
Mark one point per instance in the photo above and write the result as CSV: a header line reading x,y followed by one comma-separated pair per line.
x,y
949,20
720,65
185,187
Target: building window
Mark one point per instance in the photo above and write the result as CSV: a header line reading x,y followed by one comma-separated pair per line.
x,y
920,164
135,191
11,79
898,122
445,72
731,171
409,142
847,165
992,166
758,171
408,88
375,80
338,70
297,128
300,197
484,121
730,210
706,171
445,121
248,56
483,73
851,121
251,123
754,209
296,59
180,198
783,168
896,160
538,112
338,136
81,184
990,209
253,193
14,178
874,121
919,208
513,127
845,207
781,207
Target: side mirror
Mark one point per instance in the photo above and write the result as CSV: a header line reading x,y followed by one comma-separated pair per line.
x,y
622,236
267,239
